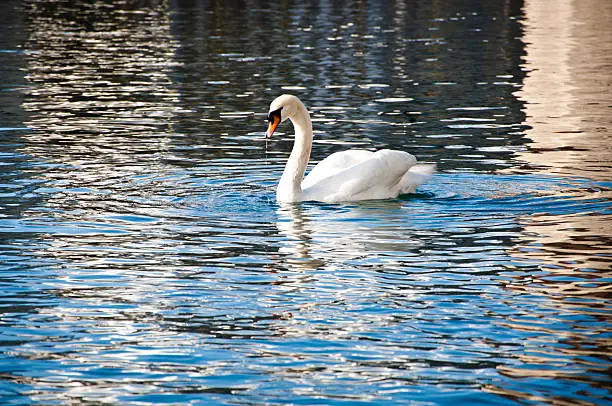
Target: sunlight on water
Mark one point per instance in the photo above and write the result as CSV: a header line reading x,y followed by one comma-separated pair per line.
x,y
144,260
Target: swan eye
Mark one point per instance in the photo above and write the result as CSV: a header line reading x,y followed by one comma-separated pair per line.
x,y
275,113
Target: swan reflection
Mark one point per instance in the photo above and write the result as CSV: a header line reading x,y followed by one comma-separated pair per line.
x,y
320,236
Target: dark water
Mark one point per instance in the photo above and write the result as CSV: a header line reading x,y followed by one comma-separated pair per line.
x,y
143,259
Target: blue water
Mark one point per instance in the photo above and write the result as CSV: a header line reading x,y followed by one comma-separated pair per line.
x,y
144,260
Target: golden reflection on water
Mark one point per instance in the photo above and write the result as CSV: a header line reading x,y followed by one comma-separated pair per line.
x,y
568,102
568,111
568,107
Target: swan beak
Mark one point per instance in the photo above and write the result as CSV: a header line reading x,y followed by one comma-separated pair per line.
x,y
272,126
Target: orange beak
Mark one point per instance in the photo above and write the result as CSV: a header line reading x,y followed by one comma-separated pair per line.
x,y
272,126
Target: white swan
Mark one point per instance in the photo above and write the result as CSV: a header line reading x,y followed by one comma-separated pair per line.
x,y
343,176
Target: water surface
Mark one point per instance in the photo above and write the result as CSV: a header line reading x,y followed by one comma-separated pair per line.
x,y
143,259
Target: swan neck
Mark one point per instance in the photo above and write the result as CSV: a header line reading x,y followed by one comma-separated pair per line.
x,y
290,185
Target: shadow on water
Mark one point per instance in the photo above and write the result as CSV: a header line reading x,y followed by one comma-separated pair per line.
x,y
144,260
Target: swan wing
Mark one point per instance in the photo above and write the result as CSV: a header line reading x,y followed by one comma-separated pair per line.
x,y
335,163
379,176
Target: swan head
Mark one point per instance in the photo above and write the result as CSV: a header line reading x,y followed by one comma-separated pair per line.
x,y
282,108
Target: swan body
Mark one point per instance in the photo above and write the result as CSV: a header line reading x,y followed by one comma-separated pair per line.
x,y
343,176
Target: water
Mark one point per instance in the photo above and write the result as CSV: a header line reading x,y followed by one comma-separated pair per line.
x,y
143,259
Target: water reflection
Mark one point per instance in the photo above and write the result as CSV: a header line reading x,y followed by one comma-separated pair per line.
x,y
566,110
567,139
567,103
106,72
145,261
101,105
317,237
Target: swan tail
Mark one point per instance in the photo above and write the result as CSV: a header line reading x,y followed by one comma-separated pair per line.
x,y
415,177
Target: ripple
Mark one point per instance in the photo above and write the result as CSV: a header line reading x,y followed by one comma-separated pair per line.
x,y
293,88
474,108
144,258
394,100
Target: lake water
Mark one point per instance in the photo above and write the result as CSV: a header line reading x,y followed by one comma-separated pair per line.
x,y
144,260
